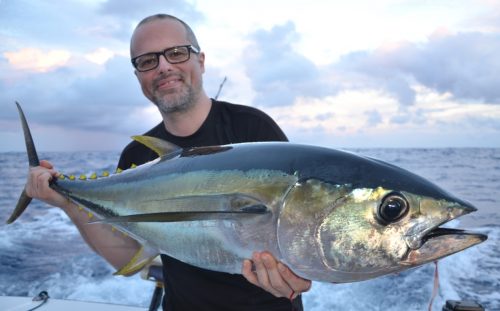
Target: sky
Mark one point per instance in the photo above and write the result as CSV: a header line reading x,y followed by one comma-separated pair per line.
x,y
342,74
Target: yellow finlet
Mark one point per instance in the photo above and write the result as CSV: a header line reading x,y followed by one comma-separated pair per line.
x,y
93,176
72,177
83,177
118,171
133,165
105,174
61,177
139,261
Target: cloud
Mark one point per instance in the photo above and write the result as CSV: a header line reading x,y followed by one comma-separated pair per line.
x,y
125,16
82,24
279,74
45,23
483,123
138,9
79,75
100,56
109,99
67,63
401,118
373,117
32,59
466,65
489,18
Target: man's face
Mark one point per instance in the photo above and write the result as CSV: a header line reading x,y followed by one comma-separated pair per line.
x,y
172,87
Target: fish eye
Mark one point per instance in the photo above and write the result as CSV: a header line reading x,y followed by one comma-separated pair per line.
x,y
394,206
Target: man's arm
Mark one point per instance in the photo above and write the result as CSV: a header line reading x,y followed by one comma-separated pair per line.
x,y
118,249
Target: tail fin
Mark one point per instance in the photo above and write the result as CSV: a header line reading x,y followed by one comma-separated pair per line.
x,y
24,199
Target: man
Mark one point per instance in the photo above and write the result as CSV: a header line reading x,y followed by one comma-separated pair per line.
x,y
169,66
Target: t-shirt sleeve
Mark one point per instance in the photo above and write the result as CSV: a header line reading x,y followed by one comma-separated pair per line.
x,y
268,130
253,125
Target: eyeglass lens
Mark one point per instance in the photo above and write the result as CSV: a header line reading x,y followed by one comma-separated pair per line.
x,y
173,55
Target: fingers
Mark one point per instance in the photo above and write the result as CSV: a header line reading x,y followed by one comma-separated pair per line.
x,y
37,185
296,283
38,182
276,281
267,273
259,276
248,272
273,276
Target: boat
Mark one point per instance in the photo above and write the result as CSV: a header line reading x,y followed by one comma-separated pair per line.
x,y
43,302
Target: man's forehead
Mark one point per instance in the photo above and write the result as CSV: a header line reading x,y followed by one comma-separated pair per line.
x,y
156,34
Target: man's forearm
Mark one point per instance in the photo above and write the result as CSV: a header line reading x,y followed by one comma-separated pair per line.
x,y
114,246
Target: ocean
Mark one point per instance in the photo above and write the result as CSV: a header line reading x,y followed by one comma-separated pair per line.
x,y
43,251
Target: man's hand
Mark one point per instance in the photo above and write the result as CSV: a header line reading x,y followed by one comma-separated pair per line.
x,y
118,249
37,185
273,276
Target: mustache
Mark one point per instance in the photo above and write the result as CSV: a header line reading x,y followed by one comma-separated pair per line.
x,y
164,76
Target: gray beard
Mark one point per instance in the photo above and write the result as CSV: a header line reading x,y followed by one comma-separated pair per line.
x,y
177,104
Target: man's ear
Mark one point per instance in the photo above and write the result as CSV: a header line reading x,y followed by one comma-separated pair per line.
x,y
201,60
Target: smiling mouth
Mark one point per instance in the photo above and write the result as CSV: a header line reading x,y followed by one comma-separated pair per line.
x,y
167,82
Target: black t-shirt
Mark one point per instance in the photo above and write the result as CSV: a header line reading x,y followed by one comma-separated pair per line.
x,y
188,287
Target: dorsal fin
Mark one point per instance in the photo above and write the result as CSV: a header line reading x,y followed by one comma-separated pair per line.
x,y
160,146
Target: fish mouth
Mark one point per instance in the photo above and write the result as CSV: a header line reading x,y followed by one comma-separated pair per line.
x,y
442,242
437,242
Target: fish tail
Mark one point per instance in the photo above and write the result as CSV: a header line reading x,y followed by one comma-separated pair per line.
x,y
24,199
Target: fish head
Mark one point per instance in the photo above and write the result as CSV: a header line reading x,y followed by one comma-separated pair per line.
x,y
343,233
373,232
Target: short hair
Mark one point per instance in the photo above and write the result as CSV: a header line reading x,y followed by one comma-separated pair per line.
x,y
190,34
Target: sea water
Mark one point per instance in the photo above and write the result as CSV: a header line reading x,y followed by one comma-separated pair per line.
x,y
44,251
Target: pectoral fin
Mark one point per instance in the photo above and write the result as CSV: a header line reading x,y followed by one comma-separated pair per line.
x,y
195,208
188,216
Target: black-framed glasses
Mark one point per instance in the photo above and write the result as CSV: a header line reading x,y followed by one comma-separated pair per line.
x,y
173,55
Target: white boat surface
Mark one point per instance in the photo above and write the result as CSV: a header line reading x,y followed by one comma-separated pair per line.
x,y
12,303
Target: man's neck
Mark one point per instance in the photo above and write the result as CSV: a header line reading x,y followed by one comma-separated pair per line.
x,y
186,123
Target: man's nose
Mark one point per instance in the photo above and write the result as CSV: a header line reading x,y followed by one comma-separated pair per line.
x,y
163,64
